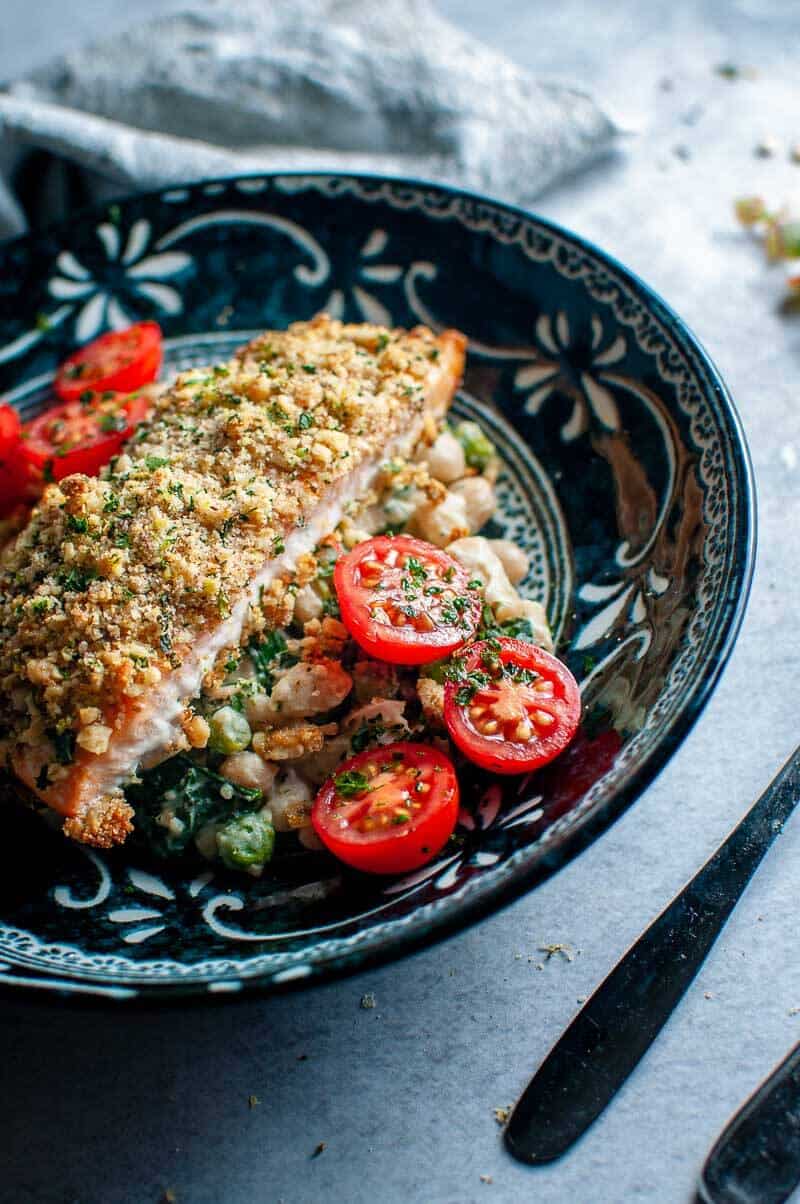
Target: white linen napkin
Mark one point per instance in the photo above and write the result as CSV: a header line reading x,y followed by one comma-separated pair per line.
x,y
225,87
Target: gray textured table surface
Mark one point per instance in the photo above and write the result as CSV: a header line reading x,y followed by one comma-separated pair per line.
x,y
112,1108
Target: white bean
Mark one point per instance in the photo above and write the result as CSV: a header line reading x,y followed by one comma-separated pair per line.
x,y
310,689
247,769
479,501
289,797
445,459
443,522
479,558
259,710
307,604
512,558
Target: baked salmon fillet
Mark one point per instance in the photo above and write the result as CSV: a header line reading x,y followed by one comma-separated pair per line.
x,y
124,589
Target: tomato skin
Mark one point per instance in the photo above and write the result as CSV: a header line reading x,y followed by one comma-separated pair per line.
x,y
68,438
440,586
10,427
398,847
119,361
500,751
15,476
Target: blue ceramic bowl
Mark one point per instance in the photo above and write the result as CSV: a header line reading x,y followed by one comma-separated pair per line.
x,y
626,477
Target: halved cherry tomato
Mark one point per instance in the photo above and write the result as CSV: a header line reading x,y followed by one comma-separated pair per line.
x,y
81,436
405,601
511,706
119,361
14,470
388,810
10,427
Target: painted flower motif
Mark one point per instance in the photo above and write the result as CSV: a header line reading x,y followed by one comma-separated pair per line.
x,y
613,598
372,273
556,372
126,273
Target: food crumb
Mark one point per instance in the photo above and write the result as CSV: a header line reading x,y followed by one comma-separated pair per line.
x,y
552,950
794,153
581,999
302,1057
253,1101
486,1179
793,1011
367,1001
169,1196
707,995
766,148
501,1115
319,1149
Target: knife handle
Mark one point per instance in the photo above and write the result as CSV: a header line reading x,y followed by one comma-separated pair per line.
x,y
613,1031
756,1160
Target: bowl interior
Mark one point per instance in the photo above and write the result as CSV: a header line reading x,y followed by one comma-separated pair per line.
x,y
625,477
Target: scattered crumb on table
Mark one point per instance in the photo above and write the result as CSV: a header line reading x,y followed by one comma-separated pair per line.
x,y
253,1101
558,947
367,1001
501,1115
319,1149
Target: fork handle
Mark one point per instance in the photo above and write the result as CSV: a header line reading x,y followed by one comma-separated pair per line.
x,y
616,1027
756,1159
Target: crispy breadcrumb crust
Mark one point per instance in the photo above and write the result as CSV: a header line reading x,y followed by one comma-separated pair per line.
x,y
106,822
115,577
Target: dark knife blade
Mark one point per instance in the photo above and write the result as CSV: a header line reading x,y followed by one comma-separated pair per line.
x,y
605,1041
756,1160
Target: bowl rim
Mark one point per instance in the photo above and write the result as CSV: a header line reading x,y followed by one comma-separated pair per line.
x,y
92,992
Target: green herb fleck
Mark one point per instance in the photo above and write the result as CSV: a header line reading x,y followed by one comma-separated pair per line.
x,y
351,783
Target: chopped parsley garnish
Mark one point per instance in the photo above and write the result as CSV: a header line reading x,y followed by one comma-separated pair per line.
x,y
112,422
63,745
154,462
351,783
268,655
305,421
310,369
370,732
79,525
77,579
381,342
